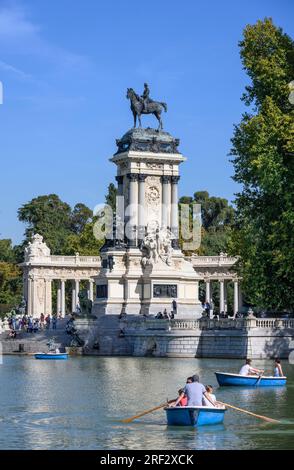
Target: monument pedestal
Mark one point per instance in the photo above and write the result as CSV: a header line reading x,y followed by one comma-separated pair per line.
x,y
146,273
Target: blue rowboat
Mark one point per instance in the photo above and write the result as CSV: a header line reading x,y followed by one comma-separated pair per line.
x,y
194,415
51,356
225,378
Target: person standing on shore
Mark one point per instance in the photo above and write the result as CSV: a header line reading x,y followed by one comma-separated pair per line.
x,y
42,319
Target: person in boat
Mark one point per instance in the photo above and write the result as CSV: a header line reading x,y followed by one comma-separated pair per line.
x,y
194,392
183,401
210,398
278,371
247,369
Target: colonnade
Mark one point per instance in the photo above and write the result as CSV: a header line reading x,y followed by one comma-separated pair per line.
x,y
61,308
38,295
223,294
137,204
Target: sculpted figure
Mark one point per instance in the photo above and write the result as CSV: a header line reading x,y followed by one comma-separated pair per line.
x,y
145,105
157,245
85,303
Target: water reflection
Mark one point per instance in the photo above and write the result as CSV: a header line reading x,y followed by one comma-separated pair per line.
x,y
78,404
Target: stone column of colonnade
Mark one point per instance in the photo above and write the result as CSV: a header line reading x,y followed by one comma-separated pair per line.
x,y
237,297
174,216
166,201
222,292
141,206
30,295
132,210
91,289
207,291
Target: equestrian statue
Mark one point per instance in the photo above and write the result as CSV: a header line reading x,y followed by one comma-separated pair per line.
x,y
145,105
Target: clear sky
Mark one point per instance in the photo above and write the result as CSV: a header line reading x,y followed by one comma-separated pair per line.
x,y
65,66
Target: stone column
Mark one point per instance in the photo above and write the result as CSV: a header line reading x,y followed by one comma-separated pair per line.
x,y
174,217
48,297
240,299
166,200
30,296
77,290
141,207
91,290
221,295
236,297
132,210
73,297
59,298
62,302
207,291
225,297
120,185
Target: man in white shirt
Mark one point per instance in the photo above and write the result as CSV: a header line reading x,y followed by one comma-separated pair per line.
x,y
248,370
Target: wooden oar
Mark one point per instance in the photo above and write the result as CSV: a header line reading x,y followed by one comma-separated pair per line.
x,y
143,413
259,378
265,418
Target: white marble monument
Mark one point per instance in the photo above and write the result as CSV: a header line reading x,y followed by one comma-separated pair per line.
x,y
145,272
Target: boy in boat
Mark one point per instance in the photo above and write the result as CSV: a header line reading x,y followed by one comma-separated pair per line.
x,y
183,401
248,370
278,371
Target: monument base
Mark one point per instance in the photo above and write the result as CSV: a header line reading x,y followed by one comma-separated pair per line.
x,y
126,287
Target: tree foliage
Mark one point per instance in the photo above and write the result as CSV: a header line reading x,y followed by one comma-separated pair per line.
x,y
51,218
217,217
263,151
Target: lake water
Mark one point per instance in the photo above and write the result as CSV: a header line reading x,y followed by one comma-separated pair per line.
x,y
78,404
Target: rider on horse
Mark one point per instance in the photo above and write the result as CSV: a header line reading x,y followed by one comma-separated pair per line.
x,y
145,97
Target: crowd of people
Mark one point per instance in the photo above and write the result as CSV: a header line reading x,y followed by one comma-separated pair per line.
x,y
30,324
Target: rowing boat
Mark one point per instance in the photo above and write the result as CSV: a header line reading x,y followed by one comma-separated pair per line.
x,y
194,415
225,378
51,356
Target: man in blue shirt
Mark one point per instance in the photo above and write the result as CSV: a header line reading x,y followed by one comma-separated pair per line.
x,y
194,392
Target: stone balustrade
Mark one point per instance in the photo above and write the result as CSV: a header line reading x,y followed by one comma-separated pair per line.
x,y
68,261
209,324
221,260
232,323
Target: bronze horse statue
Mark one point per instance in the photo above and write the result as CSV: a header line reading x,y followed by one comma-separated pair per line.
x,y
138,108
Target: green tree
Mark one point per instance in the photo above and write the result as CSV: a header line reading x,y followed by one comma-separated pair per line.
x,y
51,218
10,276
7,253
263,161
80,216
217,217
10,283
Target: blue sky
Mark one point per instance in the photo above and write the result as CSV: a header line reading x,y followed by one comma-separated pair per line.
x,y
65,66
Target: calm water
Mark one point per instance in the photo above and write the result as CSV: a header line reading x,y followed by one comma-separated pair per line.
x,y
77,404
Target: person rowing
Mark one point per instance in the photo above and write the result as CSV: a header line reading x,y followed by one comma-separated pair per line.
x,y
247,369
